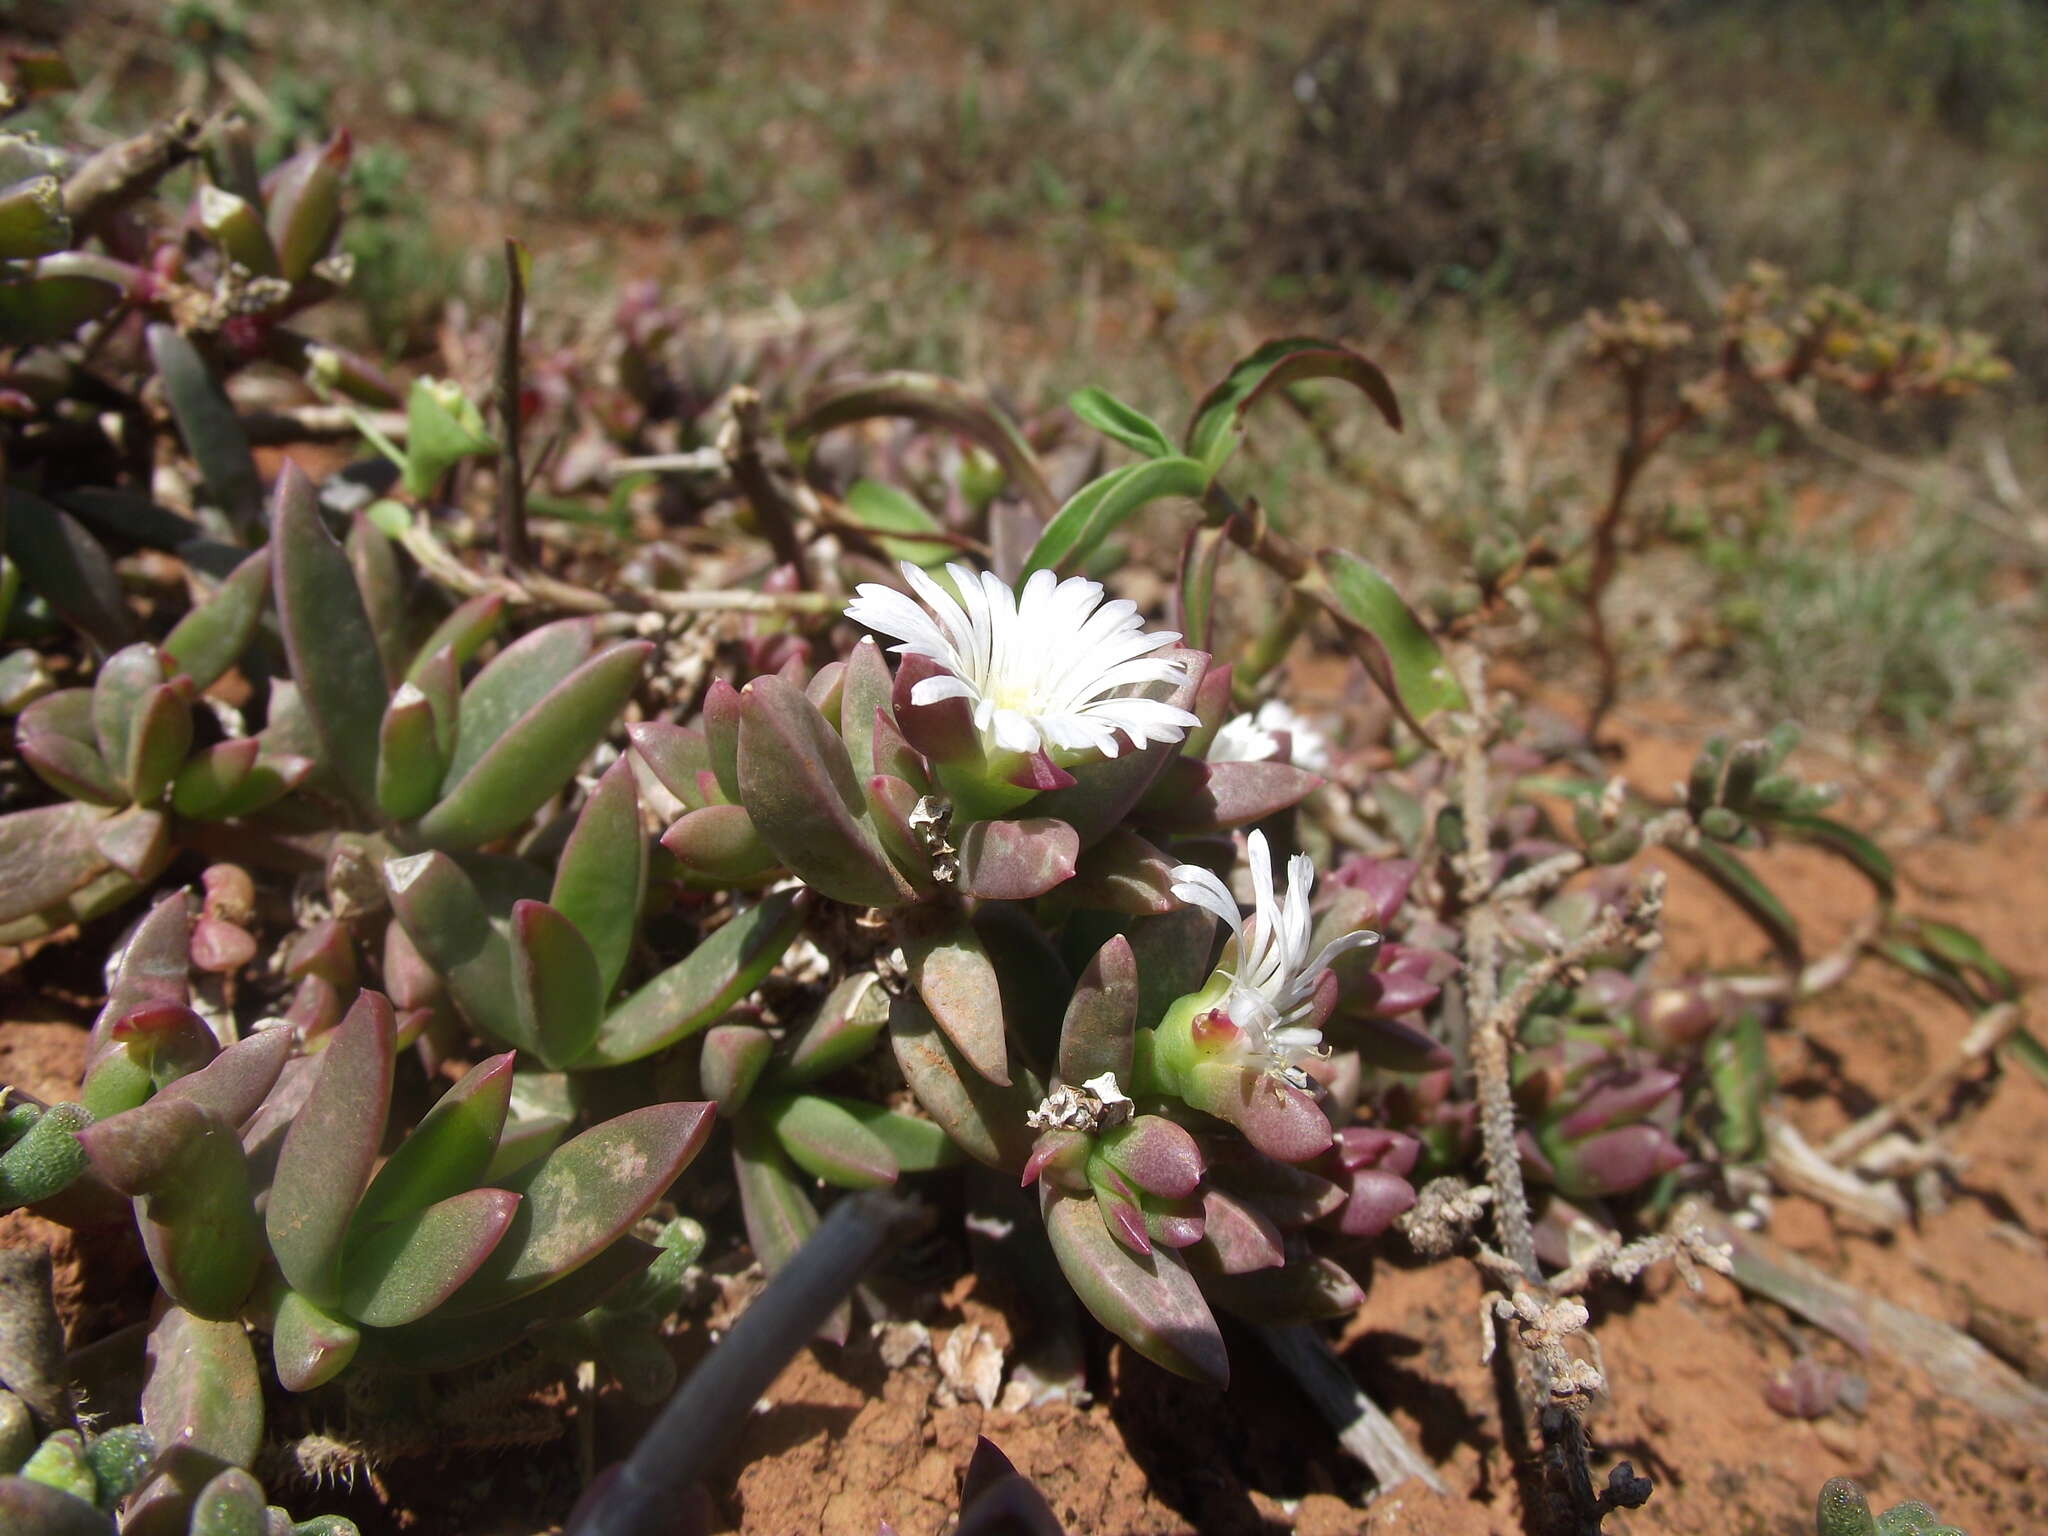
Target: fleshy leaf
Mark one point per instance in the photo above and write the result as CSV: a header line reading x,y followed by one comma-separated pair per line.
x,y
1016,860
330,1149
826,1141
202,1400
799,787
985,1119
212,431
1125,423
1279,1119
675,754
1399,653
893,520
327,636
536,754
449,1151
555,983
309,1344
779,1216
731,1063
463,633
212,637
585,1194
512,682
601,876
447,921
1097,1032
720,842
64,564
704,984
843,1030
1309,1290
1151,1303
410,755
951,970
1193,796
234,1084
1124,873
401,1272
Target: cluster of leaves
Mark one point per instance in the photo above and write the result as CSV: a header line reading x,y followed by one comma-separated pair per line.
x,y
880,932
1844,1511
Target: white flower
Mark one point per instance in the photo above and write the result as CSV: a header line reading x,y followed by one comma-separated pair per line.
x,y
1052,667
1255,739
1271,974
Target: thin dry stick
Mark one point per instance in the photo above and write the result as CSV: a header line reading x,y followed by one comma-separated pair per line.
x,y
122,172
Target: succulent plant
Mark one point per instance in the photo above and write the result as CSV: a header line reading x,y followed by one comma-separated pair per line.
x,y
1844,1511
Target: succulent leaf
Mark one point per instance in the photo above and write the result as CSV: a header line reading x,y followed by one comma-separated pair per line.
x,y
1152,1303
601,876
399,1272
330,1149
448,1152
951,970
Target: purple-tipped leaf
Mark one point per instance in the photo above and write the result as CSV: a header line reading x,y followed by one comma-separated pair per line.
x,y
463,633
1377,1196
675,755
155,967
799,786
234,1084
57,739
199,1224
410,755
702,986
1124,873
537,753
555,983
402,1271
1016,860
1096,1035
1279,1119
1151,1303
309,1344
136,842
722,736
951,970
212,775
1157,1156
126,680
1236,1237
585,1194
720,843
329,1151
1193,796
732,1060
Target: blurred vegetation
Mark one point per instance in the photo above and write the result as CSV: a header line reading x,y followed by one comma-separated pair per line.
x,y
1062,193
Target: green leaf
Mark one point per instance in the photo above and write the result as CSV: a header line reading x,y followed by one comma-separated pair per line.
x,y
940,402
199,1224
826,1141
303,209
447,921
374,559
202,1394
917,1145
328,638
586,1194
1201,557
65,565
555,983
32,221
708,981
537,753
330,1149
212,431
2025,1047
514,680
1871,861
1100,507
463,633
1218,422
401,1272
1127,424
891,518
1740,884
1399,653
601,876
212,637
443,427
449,1151
843,1030
60,293
410,758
